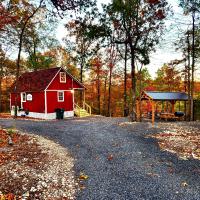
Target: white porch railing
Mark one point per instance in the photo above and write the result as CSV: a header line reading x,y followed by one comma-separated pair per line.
x,y
83,112
87,108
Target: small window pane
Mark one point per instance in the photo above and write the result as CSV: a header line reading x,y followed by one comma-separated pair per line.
x,y
62,77
60,96
23,97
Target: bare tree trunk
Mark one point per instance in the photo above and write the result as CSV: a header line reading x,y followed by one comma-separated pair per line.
x,y
132,47
34,57
193,64
185,88
188,72
18,67
98,91
7,94
109,92
133,83
81,80
104,99
140,102
125,82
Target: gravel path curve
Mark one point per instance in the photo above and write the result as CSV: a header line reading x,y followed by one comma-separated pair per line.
x,y
120,162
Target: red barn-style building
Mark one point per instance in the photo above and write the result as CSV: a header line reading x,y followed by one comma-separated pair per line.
x,y
39,93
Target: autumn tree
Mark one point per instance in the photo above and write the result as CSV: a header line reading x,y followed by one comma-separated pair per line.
x,y
124,56
168,78
81,44
25,12
138,24
7,68
96,69
192,8
111,62
88,37
6,17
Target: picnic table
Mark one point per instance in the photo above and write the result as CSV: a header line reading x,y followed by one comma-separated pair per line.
x,y
166,116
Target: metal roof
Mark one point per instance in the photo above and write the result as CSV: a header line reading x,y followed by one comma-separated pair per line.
x,y
159,96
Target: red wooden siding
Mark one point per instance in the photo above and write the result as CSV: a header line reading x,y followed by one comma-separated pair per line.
x,y
53,103
56,85
37,103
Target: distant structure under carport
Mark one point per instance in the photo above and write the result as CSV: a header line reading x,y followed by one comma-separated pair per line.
x,y
155,96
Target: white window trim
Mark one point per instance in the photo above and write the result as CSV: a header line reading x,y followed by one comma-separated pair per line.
x,y
64,76
22,97
63,96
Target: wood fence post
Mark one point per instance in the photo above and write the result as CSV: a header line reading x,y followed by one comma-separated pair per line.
x,y
153,112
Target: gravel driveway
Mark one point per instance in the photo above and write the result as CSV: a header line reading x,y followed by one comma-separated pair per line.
x,y
120,162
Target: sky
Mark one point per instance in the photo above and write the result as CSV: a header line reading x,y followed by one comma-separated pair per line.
x,y
165,51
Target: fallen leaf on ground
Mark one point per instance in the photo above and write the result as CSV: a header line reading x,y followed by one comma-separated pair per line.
x,y
83,176
179,139
184,184
110,157
170,170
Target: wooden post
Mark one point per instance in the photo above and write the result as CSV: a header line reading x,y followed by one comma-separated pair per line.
x,y
84,98
173,103
153,112
165,106
137,110
185,111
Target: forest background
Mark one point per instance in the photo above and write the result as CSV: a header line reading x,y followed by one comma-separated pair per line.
x,y
108,47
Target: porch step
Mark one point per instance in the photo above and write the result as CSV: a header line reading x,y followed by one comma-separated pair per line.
x,y
81,112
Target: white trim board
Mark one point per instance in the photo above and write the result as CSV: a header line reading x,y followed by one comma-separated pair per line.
x,y
58,90
43,115
45,101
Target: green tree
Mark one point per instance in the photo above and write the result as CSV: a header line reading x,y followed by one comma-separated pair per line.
x,y
39,36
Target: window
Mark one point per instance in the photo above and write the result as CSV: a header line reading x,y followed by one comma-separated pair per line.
x,y
23,97
60,96
62,77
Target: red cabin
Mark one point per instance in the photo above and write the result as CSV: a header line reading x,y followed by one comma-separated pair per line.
x,y
40,93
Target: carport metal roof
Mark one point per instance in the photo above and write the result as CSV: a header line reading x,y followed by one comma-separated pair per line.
x,y
164,96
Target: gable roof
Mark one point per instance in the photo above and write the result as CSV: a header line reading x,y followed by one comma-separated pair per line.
x,y
166,96
38,80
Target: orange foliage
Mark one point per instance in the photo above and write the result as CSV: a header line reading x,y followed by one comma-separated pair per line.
x,y
6,18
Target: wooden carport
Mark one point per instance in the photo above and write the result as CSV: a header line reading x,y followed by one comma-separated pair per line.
x,y
154,96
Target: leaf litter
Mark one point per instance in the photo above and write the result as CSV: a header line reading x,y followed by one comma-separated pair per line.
x,y
182,140
35,168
